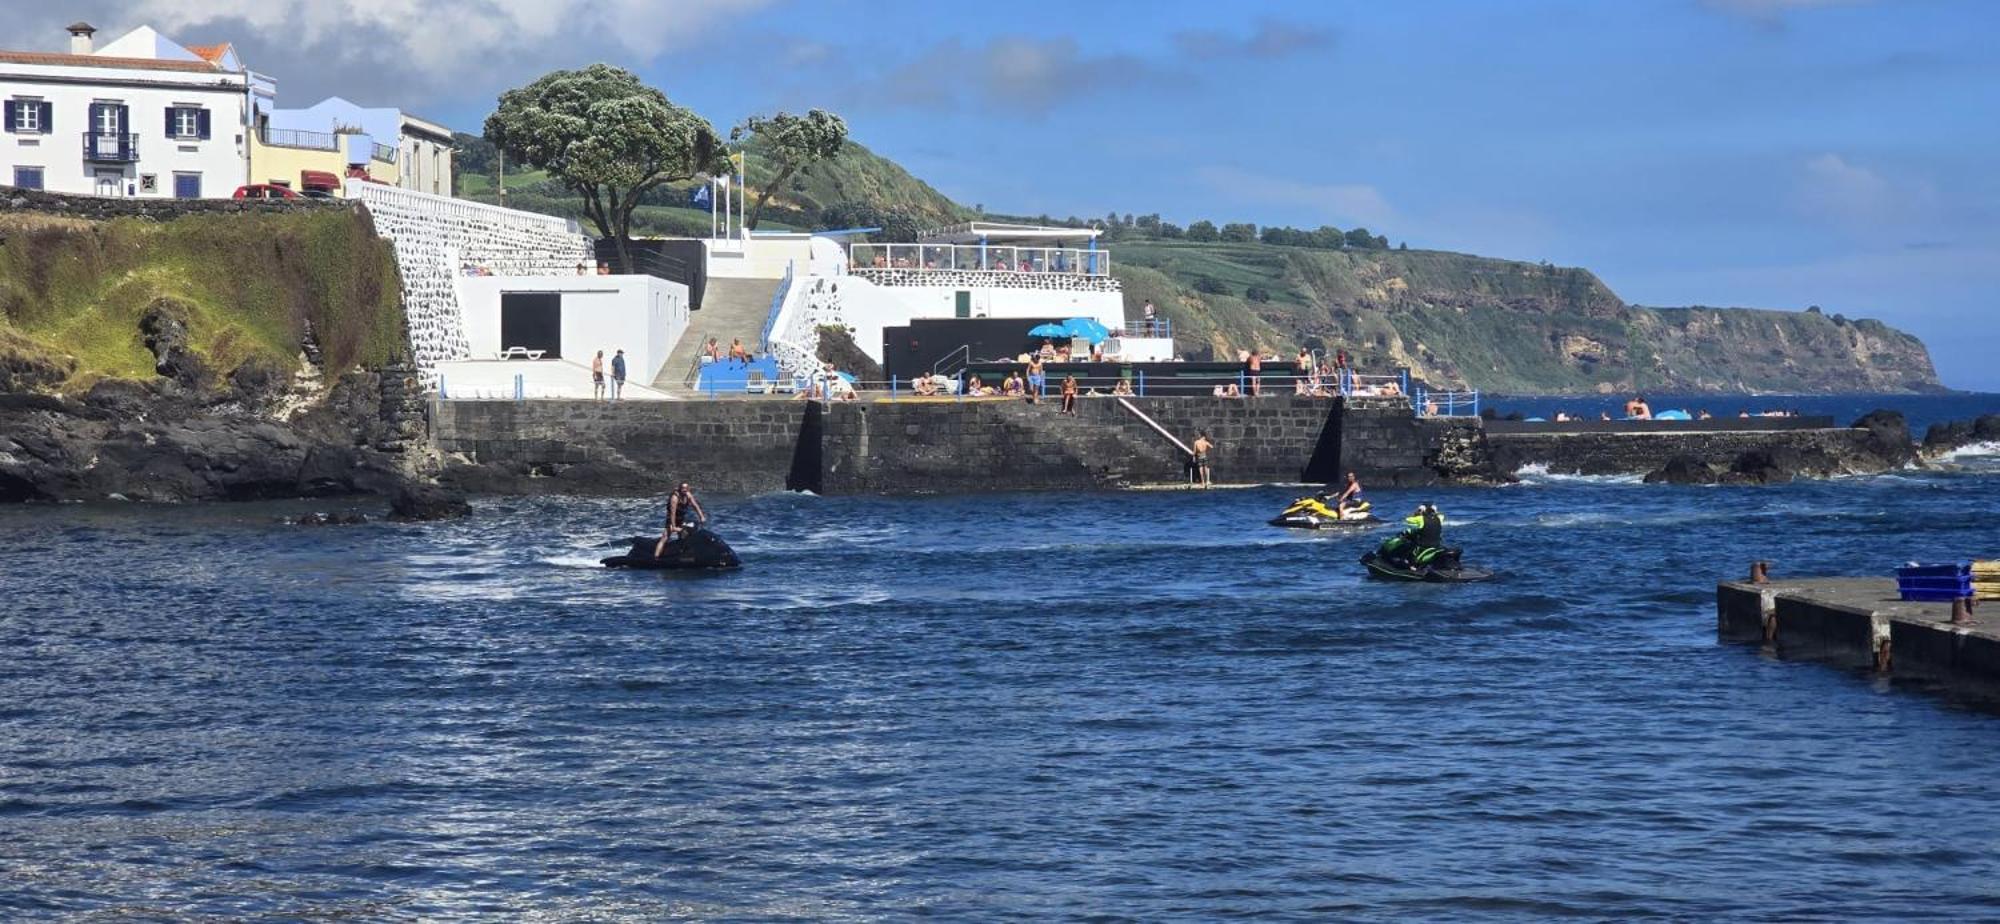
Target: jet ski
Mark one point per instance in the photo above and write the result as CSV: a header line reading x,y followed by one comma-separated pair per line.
x,y
1315,513
695,549
1445,568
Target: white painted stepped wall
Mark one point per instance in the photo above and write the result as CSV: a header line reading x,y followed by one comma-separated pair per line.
x,y
435,236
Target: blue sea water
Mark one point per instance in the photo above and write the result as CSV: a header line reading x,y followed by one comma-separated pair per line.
x,y
1141,706
1920,410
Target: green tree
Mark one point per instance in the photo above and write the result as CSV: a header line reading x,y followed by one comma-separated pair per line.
x,y
1170,231
1239,232
1257,294
1203,230
1360,239
607,137
793,144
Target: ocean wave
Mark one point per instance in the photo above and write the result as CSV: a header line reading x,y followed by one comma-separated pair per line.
x,y
1538,473
1972,451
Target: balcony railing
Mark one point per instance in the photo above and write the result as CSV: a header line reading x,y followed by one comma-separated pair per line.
x,y
110,149
1067,260
293,138
383,153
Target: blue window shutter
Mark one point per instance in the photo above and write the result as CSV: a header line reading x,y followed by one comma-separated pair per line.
x,y
48,117
201,121
12,107
171,113
124,120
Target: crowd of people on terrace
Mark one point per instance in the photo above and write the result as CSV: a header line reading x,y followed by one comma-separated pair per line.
x,y
1637,408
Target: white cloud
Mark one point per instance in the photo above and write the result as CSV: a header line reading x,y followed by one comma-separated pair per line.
x,y
1861,200
1341,204
400,52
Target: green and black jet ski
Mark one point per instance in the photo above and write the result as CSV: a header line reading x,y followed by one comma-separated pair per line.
x,y
1449,572
695,549
1419,554
1316,512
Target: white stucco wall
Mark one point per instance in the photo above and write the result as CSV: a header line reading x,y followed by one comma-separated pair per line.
x,y
643,315
868,308
222,160
758,257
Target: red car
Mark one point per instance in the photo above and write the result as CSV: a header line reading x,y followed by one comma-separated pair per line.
x,y
264,191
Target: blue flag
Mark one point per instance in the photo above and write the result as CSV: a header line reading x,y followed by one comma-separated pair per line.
x,y
699,197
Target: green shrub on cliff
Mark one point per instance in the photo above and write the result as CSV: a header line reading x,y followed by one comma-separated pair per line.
x,y
249,285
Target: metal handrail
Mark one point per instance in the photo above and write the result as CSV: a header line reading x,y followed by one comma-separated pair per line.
x,y
1071,261
964,349
297,138
123,146
1150,422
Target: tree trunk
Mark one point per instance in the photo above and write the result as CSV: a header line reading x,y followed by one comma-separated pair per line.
x,y
763,196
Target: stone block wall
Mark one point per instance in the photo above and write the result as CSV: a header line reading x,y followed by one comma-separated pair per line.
x,y
436,236
737,447
1639,453
105,208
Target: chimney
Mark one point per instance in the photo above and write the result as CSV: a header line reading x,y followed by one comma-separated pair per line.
x,y
79,38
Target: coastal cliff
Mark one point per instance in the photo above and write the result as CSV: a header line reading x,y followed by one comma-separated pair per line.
x,y
178,351
1459,320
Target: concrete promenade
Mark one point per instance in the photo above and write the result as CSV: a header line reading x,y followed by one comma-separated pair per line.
x,y
1860,623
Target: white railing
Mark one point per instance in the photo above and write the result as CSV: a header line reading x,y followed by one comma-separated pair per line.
x,y
1063,260
794,330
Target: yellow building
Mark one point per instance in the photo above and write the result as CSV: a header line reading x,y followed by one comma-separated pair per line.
x,y
319,147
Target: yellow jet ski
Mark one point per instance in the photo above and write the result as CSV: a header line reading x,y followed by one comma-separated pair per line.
x,y
1317,512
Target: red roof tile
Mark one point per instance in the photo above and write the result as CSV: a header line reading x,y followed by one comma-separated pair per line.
x,y
210,53
67,60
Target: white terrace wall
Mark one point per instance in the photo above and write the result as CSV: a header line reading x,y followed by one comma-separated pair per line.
x,y
437,237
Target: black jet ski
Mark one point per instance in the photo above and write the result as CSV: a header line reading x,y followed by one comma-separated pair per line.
x,y
1444,569
694,549
1315,513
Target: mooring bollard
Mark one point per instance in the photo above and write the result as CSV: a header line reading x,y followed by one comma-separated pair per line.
x,y
1961,611
1760,572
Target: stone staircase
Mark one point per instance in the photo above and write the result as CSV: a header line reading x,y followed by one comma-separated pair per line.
x,y
730,308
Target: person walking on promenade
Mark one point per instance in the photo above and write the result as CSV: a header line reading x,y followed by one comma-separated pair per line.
x,y
618,376
597,375
1069,395
1038,381
683,512
1152,319
1202,447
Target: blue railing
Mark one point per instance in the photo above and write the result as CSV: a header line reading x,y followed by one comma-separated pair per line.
x,y
777,303
110,148
1429,403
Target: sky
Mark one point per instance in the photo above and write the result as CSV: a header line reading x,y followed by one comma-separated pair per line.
x,y
1762,153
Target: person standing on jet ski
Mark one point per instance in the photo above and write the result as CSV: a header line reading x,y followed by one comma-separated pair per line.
x,y
683,512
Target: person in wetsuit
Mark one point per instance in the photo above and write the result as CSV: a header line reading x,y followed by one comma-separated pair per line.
x,y
683,513
1421,542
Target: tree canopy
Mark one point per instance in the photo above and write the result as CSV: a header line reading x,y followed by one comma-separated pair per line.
x,y
608,137
794,143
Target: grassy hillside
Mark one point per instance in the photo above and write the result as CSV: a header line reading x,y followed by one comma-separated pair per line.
x,y
72,292
1502,325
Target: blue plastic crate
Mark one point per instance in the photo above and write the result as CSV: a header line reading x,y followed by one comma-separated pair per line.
x,y
1954,569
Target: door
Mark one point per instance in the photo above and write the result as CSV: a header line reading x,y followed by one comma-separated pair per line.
x,y
108,121
962,305
532,321
187,185
110,182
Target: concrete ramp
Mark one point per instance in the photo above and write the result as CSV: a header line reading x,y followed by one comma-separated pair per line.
x,y
488,380
730,309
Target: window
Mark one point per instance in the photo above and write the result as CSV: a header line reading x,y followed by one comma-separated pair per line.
x,y
187,185
110,118
187,123
28,177
28,116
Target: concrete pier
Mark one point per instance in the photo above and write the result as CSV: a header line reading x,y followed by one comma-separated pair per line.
x,y
1859,622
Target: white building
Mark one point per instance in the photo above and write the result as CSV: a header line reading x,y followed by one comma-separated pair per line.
x,y
147,116
141,116
972,270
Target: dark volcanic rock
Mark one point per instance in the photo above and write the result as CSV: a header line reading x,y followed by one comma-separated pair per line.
x,y
320,518
1889,437
427,502
165,326
1683,469
1776,465
28,372
1945,437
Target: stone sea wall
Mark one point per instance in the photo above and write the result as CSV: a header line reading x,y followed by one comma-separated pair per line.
x,y
1640,453
105,208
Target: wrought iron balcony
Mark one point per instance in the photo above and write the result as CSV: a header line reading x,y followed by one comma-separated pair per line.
x,y
110,149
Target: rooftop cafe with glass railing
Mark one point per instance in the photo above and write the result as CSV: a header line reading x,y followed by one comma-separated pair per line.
x,y
982,246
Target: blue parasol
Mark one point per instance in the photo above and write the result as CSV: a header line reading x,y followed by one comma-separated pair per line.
x,y
1048,330
1087,329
